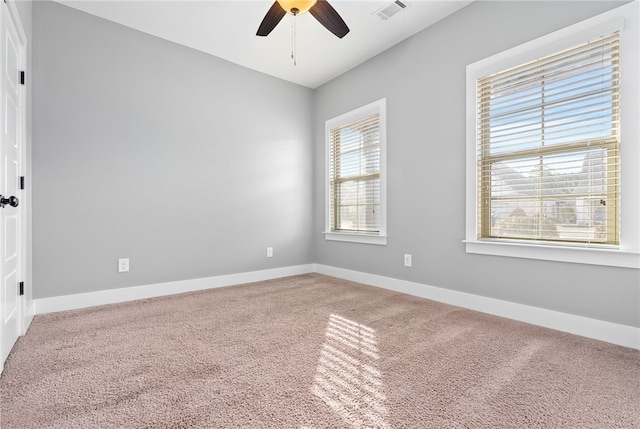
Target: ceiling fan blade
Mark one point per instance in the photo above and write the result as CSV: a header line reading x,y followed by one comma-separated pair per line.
x,y
327,16
271,19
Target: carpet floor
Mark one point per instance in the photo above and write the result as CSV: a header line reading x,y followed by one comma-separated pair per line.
x,y
309,352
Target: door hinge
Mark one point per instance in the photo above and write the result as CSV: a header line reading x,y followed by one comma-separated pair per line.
x,y
22,182
21,288
21,77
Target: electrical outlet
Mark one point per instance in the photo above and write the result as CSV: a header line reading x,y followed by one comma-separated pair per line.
x,y
407,260
123,265
269,252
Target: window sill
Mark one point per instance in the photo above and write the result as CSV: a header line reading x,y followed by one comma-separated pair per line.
x,y
611,257
356,238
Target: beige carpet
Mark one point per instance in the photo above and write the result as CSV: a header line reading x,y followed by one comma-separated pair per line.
x,y
310,352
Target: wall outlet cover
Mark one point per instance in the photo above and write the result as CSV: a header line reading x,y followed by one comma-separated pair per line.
x,y
407,260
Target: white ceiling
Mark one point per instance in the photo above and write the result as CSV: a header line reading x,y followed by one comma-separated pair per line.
x,y
227,28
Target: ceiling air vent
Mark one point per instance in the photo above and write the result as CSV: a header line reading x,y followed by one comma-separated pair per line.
x,y
388,11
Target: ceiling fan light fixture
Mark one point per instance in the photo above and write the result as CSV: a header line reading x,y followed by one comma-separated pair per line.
x,y
296,7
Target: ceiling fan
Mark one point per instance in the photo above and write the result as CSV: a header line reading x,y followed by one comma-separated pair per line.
x,y
320,9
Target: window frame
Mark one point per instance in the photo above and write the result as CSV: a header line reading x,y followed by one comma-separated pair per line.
x,y
379,238
627,253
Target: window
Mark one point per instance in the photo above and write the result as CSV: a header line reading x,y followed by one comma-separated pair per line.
x,y
548,138
355,146
544,136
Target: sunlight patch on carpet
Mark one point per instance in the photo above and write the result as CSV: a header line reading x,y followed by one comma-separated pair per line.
x,y
347,377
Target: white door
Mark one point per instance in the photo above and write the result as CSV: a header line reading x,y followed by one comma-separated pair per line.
x,y
11,213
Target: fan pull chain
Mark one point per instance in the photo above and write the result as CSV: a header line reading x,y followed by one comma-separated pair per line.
x,y
293,36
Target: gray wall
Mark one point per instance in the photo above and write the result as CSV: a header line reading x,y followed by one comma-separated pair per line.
x,y
423,80
186,164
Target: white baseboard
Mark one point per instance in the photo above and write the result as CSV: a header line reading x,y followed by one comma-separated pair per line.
x,y
113,296
614,333
622,335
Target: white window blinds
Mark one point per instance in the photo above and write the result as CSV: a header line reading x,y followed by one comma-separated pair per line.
x,y
354,176
548,147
